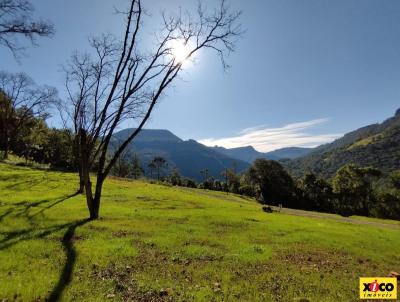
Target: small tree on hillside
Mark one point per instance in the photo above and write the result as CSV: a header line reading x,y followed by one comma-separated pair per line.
x,y
152,168
122,167
316,194
353,184
175,178
33,139
159,163
137,170
122,83
204,174
276,185
233,180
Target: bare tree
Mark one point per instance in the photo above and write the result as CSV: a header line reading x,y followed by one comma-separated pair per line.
x,y
121,83
16,20
20,98
159,162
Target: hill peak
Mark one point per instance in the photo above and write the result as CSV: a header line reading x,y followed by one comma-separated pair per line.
x,y
148,135
245,148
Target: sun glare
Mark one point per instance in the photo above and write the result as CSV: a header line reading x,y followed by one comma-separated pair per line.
x,y
181,51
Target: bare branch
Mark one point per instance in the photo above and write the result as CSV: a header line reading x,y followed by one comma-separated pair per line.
x,y
121,83
16,21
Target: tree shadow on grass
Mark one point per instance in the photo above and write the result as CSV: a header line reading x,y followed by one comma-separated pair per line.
x,y
14,237
22,209
30,183
56,202
5,214
66,274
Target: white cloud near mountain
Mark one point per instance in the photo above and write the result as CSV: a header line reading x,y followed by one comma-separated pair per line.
x,y
266,139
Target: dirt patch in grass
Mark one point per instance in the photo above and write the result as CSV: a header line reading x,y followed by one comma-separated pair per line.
x,y
275,277
310,259
125,285
316,259
78,238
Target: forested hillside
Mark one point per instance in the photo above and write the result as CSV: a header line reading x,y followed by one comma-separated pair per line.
x,y
376,145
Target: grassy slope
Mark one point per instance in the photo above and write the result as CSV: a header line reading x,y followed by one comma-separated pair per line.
x,y
205,247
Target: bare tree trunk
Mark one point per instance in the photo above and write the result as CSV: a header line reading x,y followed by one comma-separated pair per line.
x,y
97,197
81,180
85,169
88,193
78,162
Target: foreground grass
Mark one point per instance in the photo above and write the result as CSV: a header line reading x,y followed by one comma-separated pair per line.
x,y
158,243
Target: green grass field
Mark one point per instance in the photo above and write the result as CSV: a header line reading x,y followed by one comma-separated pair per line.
x,y
160,243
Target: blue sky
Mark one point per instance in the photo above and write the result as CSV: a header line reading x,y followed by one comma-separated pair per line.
x,y
304,72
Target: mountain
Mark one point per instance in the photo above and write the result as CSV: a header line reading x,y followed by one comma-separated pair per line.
x,y
376,145
289,153
189,157
249,154
149,135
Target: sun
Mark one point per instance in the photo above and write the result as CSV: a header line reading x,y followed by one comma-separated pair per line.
x,y
181,50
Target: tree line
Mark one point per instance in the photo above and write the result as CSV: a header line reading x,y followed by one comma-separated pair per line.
x,y
353,190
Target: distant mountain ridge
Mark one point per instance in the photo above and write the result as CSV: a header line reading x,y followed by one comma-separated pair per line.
x,y
149,135
376,145
188,157
249,154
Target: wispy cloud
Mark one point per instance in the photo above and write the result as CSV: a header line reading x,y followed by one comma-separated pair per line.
x,y
266,139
